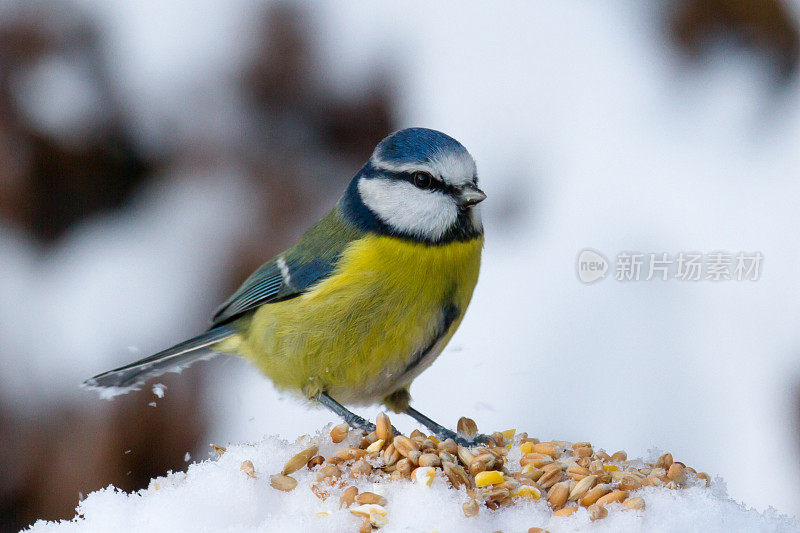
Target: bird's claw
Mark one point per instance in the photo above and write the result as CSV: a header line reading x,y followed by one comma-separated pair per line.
x,y
477,440
367,427
466,440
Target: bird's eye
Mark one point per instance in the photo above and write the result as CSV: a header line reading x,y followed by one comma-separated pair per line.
x,y
423,180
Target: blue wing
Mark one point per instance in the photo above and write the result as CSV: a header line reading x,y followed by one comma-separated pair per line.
x,y
295,271
277,280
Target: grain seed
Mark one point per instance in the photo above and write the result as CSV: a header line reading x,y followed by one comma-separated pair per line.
x,y
283,482
383,427
339,432
467,427
634,503
299,460
248,468
597,512
558,494
370,497
348,497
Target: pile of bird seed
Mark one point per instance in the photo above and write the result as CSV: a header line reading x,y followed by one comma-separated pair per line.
x,y
517,467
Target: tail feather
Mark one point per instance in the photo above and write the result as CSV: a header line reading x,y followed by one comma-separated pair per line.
x,y
179,356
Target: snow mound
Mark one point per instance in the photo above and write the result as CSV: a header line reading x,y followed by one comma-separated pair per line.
x,y
234,492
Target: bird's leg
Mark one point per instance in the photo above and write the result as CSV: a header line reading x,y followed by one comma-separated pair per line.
x,y
399,400
352,419
442,433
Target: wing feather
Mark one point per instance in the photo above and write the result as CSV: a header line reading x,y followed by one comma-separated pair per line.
x,y
295,271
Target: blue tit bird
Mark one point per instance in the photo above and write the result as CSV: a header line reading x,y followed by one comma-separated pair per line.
x,y
368,297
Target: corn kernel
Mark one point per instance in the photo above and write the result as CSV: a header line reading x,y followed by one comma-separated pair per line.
x,y
434,439
369,509
527,491
610,468
378,520
375,446
508,434
526,447
528,468
424,475
376,513
489,477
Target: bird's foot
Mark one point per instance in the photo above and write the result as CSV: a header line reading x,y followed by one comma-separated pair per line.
x,y
465,440
462,438
356,422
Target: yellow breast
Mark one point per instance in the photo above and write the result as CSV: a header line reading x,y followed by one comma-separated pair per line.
x,y
353,335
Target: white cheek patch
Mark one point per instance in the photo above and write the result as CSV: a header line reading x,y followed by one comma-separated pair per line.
x,y
408,209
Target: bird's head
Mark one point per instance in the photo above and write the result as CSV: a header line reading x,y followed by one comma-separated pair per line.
x,y
419,184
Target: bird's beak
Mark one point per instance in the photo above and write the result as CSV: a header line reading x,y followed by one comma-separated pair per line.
x,y
470,195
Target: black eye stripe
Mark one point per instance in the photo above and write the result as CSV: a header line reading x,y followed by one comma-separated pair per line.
x,y
423,180
410,177
436,184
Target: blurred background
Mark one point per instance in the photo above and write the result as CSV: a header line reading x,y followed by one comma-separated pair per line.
x,y
152,154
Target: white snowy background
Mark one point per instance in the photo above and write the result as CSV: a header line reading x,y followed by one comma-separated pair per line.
x,y
586,134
